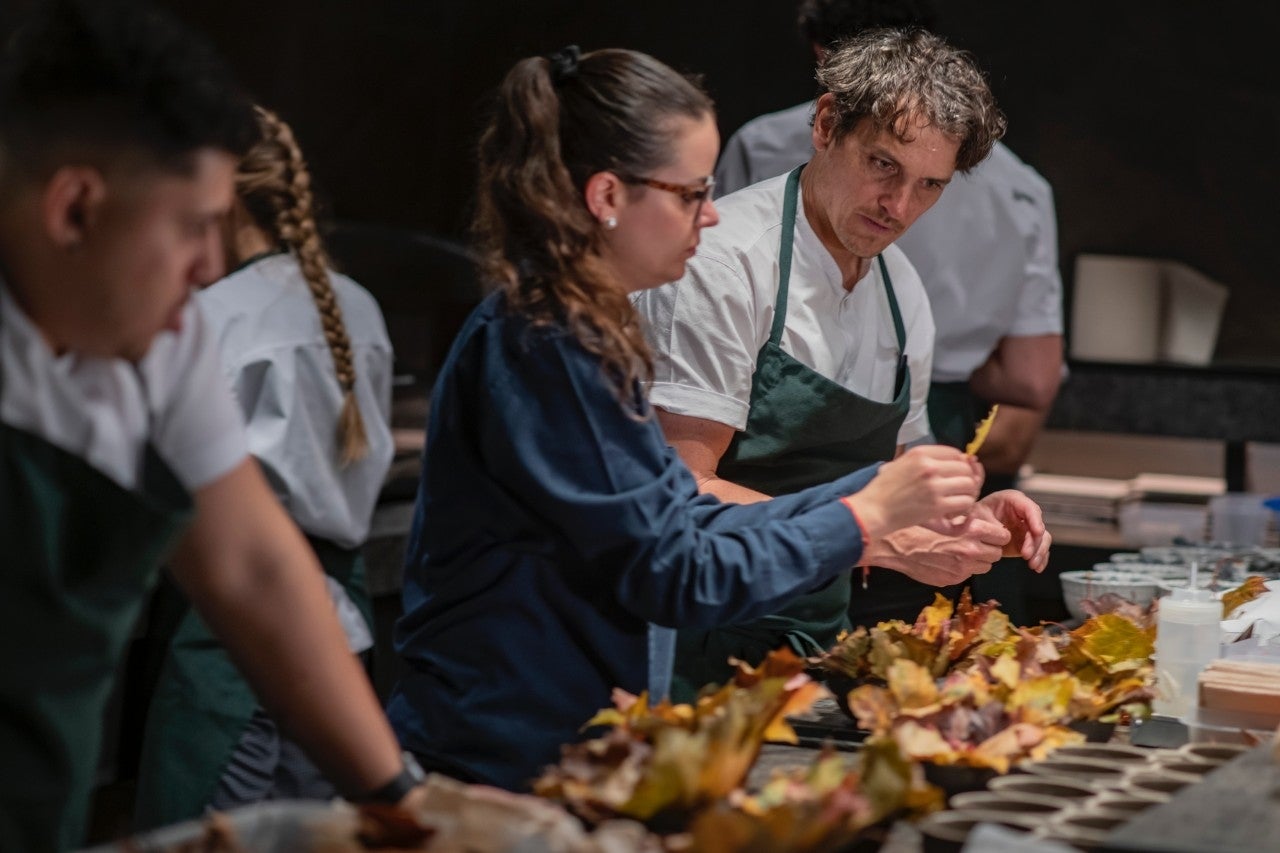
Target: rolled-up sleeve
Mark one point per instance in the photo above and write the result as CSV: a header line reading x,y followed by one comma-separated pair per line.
x,y
705,335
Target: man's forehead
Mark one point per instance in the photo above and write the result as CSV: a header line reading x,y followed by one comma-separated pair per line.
x,y
207,179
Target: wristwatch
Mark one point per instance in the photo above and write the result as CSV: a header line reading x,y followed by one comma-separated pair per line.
x,y
410,776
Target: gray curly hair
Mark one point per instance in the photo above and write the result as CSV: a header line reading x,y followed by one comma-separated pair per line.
x,y
896,76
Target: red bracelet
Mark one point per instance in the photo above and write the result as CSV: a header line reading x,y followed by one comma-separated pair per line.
x,y
862,531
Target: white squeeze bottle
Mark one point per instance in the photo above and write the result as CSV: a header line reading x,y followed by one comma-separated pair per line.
x,y
1188,637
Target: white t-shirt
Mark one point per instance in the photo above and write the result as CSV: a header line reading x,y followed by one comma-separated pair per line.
x,y
105,410
987,251
707,328
275,355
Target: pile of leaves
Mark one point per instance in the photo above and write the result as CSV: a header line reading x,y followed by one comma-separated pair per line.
x,y
942,640
670,760
988,715
826,807
681,768
964,687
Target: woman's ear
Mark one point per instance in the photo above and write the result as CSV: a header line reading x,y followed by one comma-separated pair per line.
x,y
605,194
71,205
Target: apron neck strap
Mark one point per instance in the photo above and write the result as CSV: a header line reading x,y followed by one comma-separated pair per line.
x,y
898,326
789,203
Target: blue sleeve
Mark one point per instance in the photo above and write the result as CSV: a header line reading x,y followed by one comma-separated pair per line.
x,y
605,484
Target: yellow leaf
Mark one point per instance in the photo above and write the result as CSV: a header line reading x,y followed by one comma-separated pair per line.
x,y
1007,671
1111,640
933,621
980,433
912,685
1243,594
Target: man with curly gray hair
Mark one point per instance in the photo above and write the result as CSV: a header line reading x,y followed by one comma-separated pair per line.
x,y
798,345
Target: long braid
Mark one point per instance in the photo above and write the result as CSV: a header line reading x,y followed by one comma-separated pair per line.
x,y
275,186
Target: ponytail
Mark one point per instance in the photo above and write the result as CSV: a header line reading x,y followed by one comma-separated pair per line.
x,y
556,122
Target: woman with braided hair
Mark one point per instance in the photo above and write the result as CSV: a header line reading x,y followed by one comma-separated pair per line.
x,y
307,353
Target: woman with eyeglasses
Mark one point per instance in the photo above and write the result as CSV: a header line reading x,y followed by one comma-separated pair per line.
x,y
557,538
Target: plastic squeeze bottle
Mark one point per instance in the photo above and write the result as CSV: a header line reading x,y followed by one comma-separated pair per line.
x,y
1188,637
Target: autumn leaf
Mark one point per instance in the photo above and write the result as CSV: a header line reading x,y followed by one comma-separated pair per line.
x,y
911,685
1114,642
935,620
1243,594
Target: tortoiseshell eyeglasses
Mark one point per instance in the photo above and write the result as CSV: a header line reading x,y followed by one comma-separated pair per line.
x,y
689,193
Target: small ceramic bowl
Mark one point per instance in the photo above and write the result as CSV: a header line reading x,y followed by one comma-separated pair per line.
x,y
1110,752
1079,585
1157,784
945,832
1091,822
1221,752
1094,772
1052,787
1190,766
1080,839
1027,805
1116,803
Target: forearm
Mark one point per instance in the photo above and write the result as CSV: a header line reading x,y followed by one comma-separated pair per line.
x,y
1022,372
710,484
1012,436
303,672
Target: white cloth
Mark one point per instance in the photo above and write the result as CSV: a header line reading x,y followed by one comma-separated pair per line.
x,y
987,252
707,328
105,410
275,355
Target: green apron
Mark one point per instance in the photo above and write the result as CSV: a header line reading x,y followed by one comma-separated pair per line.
x,y
81,554
953,413
802,430
201,704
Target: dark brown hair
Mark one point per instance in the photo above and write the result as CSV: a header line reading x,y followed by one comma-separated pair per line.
x,y
557,121
895,76
98,79
274,186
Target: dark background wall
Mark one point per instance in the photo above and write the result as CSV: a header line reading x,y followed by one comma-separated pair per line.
x,y
1156,122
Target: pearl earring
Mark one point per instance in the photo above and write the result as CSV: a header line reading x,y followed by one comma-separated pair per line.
x,y
610,223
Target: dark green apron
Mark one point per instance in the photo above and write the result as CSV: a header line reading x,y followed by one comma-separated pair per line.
x,y
81,553
802,430
953,413
201,704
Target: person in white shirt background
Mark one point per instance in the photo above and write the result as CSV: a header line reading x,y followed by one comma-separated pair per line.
x,y
986,253
120,443
309,360
798,344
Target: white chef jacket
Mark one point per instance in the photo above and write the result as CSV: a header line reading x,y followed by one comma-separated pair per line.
x,y
987,251
104,411
707,329
275,355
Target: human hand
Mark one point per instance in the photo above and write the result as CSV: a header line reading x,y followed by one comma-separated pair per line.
x,y
927,483
942,558
1021,516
